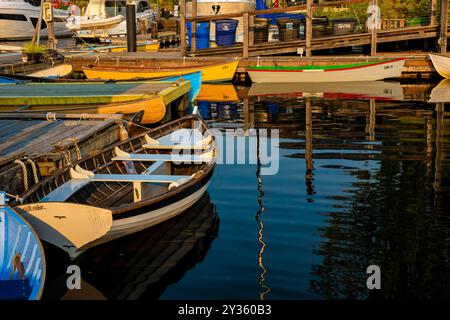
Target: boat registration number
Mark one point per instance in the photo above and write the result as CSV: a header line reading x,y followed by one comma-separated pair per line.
x,y
389,67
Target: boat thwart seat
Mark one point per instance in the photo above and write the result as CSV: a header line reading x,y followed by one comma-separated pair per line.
x,y
189,158
80,174
189,139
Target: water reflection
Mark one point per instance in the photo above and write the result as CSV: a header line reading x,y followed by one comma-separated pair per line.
x,y
262,278
141,266
376,172
364,179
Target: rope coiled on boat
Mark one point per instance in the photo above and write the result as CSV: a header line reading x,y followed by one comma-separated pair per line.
x,y
34,169
24,173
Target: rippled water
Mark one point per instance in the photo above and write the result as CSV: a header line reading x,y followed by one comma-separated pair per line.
x,y
361,182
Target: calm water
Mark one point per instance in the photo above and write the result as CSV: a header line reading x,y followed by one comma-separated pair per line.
x,y
360,183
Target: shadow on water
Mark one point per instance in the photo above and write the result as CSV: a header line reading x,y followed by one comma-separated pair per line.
x,y
141,266
363,180
377,174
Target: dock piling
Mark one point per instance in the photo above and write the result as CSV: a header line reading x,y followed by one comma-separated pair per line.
x,y
131,26
443,29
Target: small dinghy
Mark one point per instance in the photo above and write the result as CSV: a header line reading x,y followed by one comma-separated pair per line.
x,y
22,259
128,187
61,71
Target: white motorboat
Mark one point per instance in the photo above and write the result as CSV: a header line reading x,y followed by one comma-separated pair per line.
x,y
104,18
19,18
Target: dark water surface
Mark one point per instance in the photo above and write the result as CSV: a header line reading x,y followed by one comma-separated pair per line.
x,y
360,183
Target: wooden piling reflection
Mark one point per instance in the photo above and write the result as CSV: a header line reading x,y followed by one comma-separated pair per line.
x,y
309,147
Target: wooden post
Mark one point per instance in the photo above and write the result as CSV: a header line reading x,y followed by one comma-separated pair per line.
x,y
194,27
130,9
246,35
183,27
433,18
309,147
251,26
443,27
440,127
374,40
309,16
48,18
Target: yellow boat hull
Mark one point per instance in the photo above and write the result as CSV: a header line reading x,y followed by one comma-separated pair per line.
x,y
212,73
144,47
154,105
154,109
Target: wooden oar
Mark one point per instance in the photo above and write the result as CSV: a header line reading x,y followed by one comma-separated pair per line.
x,y
68,226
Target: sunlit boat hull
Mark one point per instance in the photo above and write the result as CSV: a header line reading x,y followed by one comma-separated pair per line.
x,y
213,72
65,98
441,64
363,71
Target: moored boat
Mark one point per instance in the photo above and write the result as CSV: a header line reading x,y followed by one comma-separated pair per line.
x,y
103,19
22,259
145,46
350,72
212,71
60,71
126,188
154,98
441,64
19,18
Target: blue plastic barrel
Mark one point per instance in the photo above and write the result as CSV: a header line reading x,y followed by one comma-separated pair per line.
x,y
226,32
204,107
202,34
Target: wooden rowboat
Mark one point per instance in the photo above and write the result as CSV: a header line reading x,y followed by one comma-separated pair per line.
x,y
60,71
441,64
212,71
22,258
154,98
359,71
128,187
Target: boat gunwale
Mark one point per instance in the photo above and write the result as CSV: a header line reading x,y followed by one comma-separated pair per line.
x,y
41,249
333,68
156,69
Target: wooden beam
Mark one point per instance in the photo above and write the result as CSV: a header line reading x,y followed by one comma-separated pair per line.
x,y
309,15
374,24
183,27
443,30
246,35
194,27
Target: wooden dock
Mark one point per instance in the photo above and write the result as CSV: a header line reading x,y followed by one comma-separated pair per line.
x,y
41,145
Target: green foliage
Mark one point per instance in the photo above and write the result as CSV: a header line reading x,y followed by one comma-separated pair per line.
x,y
390,9
33,48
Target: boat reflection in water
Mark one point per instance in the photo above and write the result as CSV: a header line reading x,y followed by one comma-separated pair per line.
x,y
441,93
141,266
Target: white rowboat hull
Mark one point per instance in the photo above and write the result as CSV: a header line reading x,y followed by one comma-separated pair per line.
x,y
386,70
441,64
